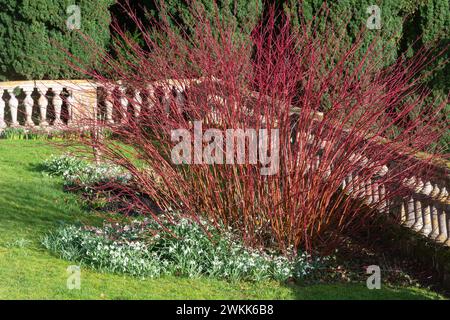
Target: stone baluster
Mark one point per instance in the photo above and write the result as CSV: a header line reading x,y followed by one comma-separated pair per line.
x,y
409,182
29,103
13,107
137,104
443,224
359,187
2,111
434,213
411,217
383,171
434,222
426,217
354,185
57,104
165,100
123,104
416,184
43,104
150,97
403,215
427,189
70,104
368,191
443,195
418,224
426,211
435,192
350,183
109,104
375,192
362,190
384,205
179,97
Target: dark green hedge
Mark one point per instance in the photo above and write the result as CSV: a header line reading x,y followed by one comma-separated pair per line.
x,y
406,27
245,13
30,29
402,21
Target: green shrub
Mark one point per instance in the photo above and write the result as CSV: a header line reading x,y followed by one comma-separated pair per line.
x,y
354,12
244,13
33,34
185,250
407,26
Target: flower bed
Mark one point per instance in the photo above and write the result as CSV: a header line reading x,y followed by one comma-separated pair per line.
x,y
183,247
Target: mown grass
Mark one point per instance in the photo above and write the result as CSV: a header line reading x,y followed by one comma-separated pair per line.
x,y
32,204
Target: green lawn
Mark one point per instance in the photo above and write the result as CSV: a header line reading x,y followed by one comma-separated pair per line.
x,y
32,204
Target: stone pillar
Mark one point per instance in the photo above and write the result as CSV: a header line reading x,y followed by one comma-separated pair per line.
x,y
384,203
434,223
137,104
151,98
375,193
418,224
426,210
43,103
123,104
57,104
442,217
350,183
368,192
13,106
411,217
70,101
109,104
427,226
403,217
29,103
443,235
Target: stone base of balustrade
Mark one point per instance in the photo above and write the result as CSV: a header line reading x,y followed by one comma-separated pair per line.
x,y
44,127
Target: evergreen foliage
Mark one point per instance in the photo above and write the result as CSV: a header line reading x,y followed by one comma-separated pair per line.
x,y
34,32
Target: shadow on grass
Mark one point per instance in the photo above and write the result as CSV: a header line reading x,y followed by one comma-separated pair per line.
x,y
30,202
357,291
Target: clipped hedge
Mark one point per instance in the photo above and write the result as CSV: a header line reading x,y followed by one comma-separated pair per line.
x,y
30,30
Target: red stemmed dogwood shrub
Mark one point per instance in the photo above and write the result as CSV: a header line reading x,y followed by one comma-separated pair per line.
x,y
301,178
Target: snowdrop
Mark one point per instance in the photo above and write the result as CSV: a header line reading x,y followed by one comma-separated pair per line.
x,y
123,249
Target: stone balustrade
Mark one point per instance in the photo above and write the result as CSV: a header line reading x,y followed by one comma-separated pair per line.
x,y
66,103
425,208
45,104
61,104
